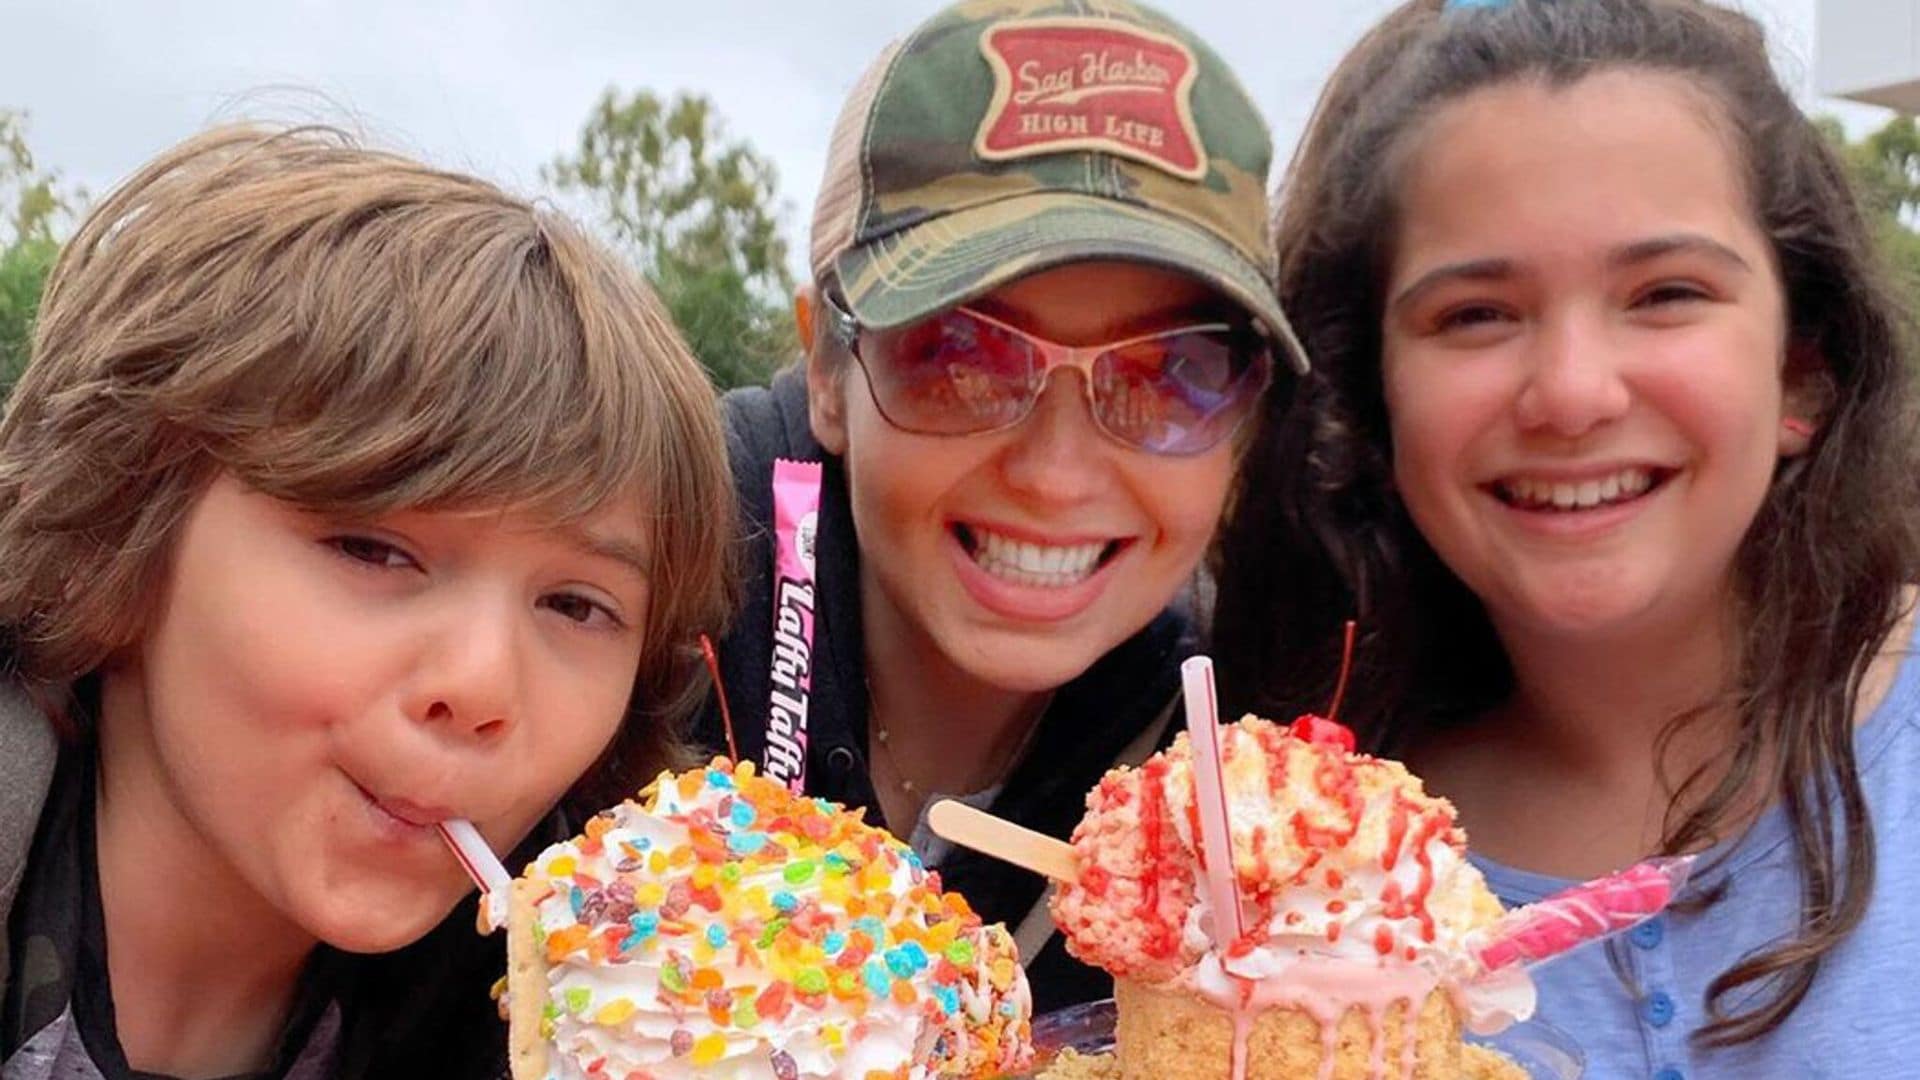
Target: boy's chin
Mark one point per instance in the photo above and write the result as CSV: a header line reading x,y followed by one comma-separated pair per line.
x,y
378,928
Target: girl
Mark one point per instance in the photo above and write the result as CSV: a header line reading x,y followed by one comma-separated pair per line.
x,y
341,496
1612,453
1000,540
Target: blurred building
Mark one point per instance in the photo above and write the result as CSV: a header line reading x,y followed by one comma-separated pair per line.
x,y
1869,51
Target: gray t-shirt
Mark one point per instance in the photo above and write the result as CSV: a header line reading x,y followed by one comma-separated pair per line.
x,y
56,1014
58,1052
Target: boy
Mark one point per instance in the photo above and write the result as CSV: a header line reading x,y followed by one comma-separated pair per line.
x,y
342,496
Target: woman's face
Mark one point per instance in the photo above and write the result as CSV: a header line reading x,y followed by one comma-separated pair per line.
x,y
1023,555
315,693
1583,342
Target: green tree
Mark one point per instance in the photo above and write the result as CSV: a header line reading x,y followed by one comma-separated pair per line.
x,y
1885,166
32,205
697,212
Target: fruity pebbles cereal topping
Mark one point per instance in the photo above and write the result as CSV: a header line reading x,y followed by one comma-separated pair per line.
x,y
725,927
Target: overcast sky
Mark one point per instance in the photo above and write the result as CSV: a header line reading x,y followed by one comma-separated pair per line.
x,y
499,88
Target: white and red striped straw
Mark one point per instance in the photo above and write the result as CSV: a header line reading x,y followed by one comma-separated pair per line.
x,y
1210,793
480,863
1585,913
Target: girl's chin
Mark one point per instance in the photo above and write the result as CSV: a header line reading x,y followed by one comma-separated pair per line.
x,y
1573,597
1577,618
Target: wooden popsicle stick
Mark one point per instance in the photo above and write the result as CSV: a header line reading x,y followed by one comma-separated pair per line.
x,y
989,835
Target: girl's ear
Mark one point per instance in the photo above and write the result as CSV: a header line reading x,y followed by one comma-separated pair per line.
x,y
826,384
1807,394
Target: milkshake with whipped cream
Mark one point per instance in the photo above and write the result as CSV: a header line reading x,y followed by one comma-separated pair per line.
x,y
724,927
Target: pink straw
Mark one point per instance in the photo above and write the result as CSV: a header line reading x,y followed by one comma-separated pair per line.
x,y
477,859
1567,920
1210,793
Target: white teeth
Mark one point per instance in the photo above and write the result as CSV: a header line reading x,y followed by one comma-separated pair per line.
x,y
1539,494
1042,565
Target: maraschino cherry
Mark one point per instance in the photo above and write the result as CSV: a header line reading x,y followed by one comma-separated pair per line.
x,y
1321,731
1325,730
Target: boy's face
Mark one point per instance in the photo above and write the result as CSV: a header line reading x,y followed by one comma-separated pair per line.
x,y
314,694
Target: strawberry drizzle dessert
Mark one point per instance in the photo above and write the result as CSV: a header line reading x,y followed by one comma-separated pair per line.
x,y
1360,910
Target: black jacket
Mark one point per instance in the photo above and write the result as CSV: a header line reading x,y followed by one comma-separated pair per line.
x,y
1089,723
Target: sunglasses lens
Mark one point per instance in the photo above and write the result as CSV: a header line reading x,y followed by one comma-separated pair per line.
x,y
1181,392
952,374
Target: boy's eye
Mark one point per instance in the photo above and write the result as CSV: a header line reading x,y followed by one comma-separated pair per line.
x,y
581,610
366,549
1469,315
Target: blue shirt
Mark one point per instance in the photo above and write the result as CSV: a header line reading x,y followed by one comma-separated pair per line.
x,y
1860,1019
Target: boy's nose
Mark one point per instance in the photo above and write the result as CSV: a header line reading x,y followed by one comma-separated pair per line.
x,y
1573,381
1058,452
469,676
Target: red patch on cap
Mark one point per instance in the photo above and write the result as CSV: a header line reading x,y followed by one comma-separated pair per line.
x,y
1090,84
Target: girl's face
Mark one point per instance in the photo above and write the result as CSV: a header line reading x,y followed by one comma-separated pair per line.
x,y
314,694
1024,555
1583,340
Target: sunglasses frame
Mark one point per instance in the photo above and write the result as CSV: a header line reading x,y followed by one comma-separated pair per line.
x,y
846,329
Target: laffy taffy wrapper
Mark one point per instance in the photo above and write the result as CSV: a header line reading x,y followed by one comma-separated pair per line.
x,y
796,513
725,927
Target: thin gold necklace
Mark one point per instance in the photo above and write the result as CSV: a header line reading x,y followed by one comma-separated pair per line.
x,y
884,739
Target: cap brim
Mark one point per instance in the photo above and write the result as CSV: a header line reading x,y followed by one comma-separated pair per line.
x,y
954,258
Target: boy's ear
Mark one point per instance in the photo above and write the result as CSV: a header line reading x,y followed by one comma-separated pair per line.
x,y
826,371
1807,393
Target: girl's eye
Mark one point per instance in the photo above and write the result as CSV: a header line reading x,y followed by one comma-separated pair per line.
x,y
377,553
1670,292
1468,316
579,609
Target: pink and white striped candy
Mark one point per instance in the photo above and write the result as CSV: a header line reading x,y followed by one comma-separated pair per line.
x,y
1584,913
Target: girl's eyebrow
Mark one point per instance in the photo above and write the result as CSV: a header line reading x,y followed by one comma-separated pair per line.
x,y
1629,254
1465,270
1677,243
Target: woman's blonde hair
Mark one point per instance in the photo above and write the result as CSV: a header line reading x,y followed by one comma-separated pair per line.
x,y
355,333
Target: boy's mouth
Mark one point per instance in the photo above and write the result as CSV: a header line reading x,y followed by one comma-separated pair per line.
x,y
1035,565
414,813
405,811
1544,495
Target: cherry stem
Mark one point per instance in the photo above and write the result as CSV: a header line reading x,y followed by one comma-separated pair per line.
x,y
1339,688
720,691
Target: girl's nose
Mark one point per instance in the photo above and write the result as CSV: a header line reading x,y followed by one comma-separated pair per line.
x,y
1574,379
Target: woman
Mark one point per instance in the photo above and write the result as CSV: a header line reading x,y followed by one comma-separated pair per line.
x,y
1000,542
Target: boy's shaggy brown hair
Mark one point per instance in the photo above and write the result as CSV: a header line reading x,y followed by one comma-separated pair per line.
x,y
355,333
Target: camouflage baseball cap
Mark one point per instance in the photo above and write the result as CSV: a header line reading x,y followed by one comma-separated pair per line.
x,y
1003,137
